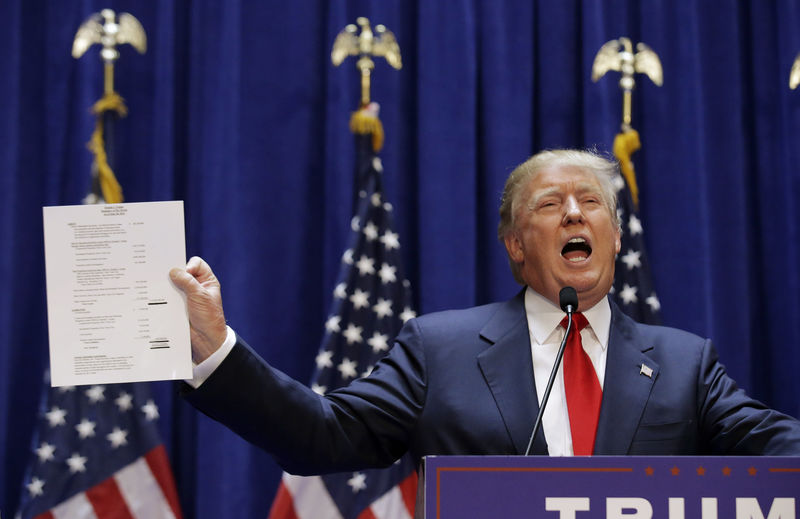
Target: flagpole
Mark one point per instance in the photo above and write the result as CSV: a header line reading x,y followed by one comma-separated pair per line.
x,y
99,447
633,288
371,302
364,122
618,55
104,28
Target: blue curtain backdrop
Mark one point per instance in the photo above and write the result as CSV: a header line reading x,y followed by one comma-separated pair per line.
x,y
237,110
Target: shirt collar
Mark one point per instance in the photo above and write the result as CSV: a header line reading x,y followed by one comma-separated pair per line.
x,y
544,317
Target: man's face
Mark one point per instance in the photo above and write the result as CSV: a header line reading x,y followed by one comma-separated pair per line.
x,y
564,235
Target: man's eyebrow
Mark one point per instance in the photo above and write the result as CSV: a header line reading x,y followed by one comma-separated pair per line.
x,y
588,187
582,188
542,193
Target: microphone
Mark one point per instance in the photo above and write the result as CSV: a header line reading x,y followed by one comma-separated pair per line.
x,y
568,300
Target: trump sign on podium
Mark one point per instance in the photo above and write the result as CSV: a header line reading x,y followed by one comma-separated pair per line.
x,y
611,487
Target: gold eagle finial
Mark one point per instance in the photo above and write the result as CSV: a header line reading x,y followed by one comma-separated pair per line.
x,y
103,28
380,43
794,75
618,55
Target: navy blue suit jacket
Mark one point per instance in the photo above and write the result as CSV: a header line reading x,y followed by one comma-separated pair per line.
x,y
461,382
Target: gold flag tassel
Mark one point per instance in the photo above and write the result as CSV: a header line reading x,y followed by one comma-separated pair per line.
x,y
365,121
625,144
110,102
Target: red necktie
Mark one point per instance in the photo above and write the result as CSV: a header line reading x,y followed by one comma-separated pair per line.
x,y
582,387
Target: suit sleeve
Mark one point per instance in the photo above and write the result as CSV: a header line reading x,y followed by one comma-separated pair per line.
x,y
735,424
366,424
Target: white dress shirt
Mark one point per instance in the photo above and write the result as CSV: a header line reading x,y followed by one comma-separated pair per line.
x,y
544,325
200,372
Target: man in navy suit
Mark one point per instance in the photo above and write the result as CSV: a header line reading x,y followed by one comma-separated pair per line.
x,y
471,381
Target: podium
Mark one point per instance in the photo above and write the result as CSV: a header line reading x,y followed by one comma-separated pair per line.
x,y
586,487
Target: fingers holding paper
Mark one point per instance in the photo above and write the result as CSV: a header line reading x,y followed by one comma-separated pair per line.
x,y
204,304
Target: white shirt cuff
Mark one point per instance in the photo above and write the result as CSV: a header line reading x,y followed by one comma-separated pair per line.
x,y
200,372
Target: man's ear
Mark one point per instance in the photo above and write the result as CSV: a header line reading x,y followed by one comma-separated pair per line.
x,y
514,247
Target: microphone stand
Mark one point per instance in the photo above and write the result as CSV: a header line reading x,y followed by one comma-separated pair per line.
x,y
536,426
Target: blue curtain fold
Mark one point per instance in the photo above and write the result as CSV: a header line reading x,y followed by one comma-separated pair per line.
x,y
237,110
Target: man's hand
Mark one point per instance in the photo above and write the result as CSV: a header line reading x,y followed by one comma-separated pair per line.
x,y
204,303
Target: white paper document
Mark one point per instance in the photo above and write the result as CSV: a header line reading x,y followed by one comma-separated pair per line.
x,y
113,314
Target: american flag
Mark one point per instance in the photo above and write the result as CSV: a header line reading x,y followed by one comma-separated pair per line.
x,y
97,454
633,288
370,303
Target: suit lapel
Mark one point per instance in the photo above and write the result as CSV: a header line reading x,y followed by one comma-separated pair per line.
x,y
626,389
508,371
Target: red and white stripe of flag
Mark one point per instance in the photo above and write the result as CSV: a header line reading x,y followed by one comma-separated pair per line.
x,y
142,490
306,498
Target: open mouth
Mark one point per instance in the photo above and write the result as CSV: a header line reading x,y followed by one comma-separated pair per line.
x,y
576,250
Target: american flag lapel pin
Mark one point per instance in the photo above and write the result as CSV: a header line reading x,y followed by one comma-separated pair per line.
x,y
646,370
